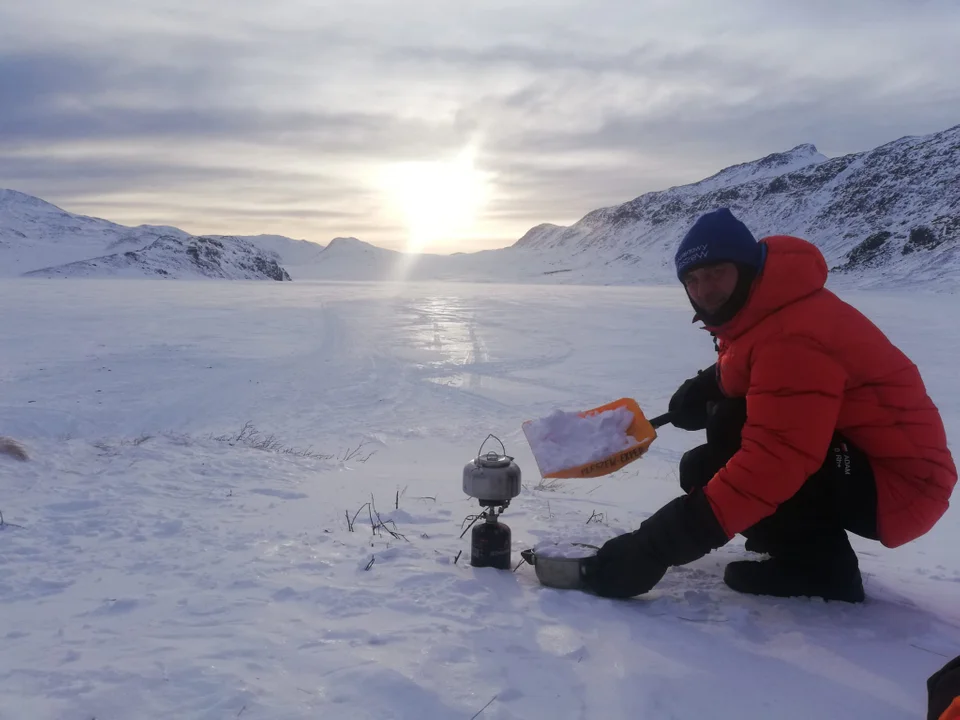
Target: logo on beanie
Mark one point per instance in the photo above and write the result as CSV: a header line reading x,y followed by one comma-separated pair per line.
x,y
693,255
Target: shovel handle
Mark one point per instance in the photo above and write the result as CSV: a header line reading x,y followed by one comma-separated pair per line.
x,y
662,420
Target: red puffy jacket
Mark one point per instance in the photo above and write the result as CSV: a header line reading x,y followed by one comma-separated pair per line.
x,y
808,364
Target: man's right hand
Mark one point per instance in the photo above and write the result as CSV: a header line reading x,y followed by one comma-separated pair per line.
x,y
688,406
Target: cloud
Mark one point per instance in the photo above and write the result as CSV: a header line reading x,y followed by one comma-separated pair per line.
x,y
283,114
60,98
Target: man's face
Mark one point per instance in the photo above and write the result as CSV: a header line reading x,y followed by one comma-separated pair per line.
x,y
710,287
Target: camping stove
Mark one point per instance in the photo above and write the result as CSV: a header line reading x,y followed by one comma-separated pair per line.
x,y
494,480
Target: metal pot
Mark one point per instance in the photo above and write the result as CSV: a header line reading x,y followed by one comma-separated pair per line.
x,y
565,573
493,478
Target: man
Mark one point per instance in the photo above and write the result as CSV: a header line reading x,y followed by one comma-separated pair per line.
x,y
816,425
943,692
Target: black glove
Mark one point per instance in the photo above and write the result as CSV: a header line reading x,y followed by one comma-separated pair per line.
x,y
943,688
622,568
688,406
680,532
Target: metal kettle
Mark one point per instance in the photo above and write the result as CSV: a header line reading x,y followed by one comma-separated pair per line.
x,y
493,478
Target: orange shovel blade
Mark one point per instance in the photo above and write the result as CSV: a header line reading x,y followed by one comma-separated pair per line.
x,y
640,428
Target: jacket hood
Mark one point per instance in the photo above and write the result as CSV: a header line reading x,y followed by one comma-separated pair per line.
x,y
794,268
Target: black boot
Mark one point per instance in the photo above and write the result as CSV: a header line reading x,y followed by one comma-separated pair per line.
x,y
762,537
826,568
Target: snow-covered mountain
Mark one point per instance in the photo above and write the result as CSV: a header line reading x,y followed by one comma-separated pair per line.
x,y
886,217
36,235
770,166
178,258
883,218
355,260
347,258
286,251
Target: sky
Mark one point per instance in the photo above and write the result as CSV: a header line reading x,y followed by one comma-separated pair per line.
x,y
441,126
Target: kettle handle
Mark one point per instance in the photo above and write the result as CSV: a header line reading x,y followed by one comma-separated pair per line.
x,y
491,435
529,555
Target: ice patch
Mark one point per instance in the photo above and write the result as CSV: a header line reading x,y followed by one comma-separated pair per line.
x,y
564,439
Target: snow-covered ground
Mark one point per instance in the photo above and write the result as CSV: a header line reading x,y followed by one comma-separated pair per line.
x,y
152,570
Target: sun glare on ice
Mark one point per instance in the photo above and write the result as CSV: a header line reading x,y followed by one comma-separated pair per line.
x,y
440,200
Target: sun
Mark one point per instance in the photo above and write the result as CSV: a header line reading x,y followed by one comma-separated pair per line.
x,y
439,200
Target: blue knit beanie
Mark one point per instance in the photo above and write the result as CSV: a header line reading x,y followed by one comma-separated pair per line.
x,y
715,238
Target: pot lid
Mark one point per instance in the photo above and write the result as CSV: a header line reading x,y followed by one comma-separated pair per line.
x,y
494,460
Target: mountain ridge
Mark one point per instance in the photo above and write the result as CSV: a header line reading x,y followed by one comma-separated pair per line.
x,y
172,257
886,217
889,215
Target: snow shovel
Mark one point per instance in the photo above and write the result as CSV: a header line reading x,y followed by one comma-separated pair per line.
x,y
642,430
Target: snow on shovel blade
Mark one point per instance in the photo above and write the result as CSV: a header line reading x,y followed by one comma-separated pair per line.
x,y
590,443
